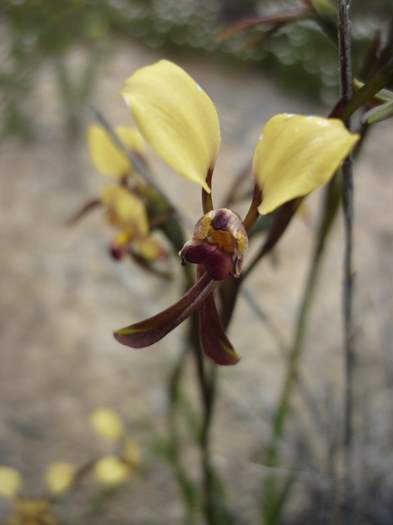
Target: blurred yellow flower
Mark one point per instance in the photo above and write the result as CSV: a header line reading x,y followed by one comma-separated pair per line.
x,y
131,453
106,157
125,211
59,477
107,423
10,482
110,470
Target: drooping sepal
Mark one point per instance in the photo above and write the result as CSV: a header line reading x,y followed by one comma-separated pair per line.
x,y
149,331
214,340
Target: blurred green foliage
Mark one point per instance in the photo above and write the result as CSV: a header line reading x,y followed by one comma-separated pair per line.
x,y
40,32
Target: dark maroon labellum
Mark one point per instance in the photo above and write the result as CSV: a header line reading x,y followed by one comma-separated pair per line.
x,y
117,252
218,264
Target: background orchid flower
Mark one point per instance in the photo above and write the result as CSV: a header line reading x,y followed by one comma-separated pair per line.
x,y
295,155
124,209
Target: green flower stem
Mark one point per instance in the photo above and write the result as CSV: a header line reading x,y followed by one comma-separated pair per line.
x,y
184,482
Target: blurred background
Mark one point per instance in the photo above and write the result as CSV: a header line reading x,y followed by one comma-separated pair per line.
x,y
61,295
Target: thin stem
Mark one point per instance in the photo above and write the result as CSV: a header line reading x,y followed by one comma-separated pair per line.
x,y
345,64
279,19
207,384
252,214
209,485
207,199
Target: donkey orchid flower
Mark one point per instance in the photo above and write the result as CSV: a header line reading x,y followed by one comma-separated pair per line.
x,y
295,155
124,209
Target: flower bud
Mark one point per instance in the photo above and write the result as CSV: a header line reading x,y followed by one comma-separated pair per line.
x,y
218,243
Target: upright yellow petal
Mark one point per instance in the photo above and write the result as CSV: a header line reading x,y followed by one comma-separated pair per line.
x,y
59,477
106,157
297,154
125,210
176,117
10,482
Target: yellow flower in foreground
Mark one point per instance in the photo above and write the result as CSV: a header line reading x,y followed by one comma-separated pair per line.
x,y
59,477
176,117
131,453
106,157
107,423
110,470
10,482
125,210
297,154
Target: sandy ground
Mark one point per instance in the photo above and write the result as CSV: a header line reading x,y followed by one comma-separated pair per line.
x,y
61,297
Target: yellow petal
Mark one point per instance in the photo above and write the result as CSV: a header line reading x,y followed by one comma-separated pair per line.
x,y
10,482
297,154
106,157
107,423
125,210
59,477
110,470
176,117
